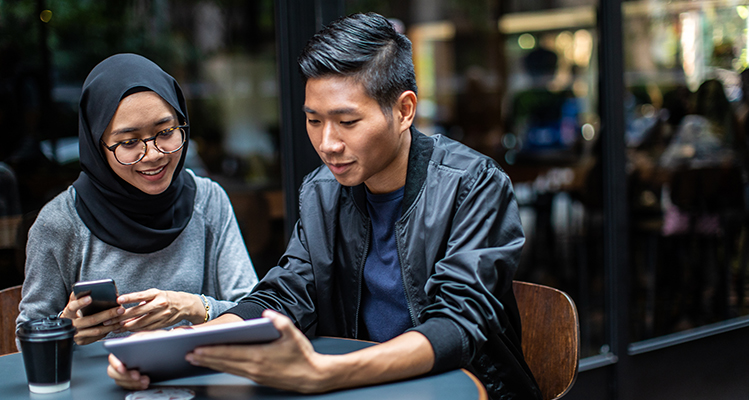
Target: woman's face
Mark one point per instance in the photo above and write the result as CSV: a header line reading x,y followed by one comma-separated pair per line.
x,y
140,116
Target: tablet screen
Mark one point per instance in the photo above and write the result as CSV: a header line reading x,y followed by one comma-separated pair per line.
x,y
161,355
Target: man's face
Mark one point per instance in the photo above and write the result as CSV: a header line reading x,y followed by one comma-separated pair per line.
x,y
353,137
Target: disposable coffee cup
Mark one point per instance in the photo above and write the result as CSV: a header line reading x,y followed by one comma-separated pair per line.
x,y
47,348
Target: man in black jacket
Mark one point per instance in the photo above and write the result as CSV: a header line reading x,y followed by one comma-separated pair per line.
x,y
403,239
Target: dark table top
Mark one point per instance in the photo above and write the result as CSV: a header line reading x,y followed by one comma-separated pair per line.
x,y
90,381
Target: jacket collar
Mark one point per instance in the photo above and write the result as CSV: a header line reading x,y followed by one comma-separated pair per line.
x,y
419,155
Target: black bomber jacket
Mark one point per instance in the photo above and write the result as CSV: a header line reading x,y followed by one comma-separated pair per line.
x,y
459,241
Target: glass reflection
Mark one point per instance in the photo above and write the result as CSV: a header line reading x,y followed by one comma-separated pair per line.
x,y
687,158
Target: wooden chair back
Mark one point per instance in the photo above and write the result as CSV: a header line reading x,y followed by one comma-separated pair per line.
x,y
551,336
9,299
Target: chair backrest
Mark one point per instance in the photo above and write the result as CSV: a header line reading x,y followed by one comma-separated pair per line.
x,y
9,299
551,336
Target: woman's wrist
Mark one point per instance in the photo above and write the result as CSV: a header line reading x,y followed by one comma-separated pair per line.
x,y
192,306
206,307
200,307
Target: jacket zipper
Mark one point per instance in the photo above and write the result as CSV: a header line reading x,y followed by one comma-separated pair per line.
x,y
360,278
403,276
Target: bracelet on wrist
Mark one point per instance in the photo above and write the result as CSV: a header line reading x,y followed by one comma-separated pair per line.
x,y
207,306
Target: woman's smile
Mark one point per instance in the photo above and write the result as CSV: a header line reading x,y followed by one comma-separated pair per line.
x,y
154,174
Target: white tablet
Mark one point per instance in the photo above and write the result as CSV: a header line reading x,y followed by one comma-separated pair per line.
x,y
161,355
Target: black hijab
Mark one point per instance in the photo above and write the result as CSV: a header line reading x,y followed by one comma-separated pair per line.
x,y
115,211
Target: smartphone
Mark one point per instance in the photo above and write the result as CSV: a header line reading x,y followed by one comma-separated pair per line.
x,y
103,295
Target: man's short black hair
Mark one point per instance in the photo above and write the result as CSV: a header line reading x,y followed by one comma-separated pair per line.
x,y
366,48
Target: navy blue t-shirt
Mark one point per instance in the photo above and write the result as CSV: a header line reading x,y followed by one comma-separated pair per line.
x,y
384,306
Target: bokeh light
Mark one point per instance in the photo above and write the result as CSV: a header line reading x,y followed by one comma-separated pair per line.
x,y
589,132
743,11
526,41
45,16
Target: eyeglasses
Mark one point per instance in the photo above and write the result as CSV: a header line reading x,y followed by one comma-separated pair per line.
x,y
129,152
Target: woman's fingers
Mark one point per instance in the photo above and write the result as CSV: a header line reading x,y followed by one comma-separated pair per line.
x,y
75,304
161,310
138,297
93,327
100,318
128,379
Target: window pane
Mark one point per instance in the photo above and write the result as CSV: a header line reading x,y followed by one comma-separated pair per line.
x,y
551,148
686,139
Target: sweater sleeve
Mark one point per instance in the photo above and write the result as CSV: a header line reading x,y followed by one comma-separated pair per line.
x,y
53,257
234,274
288,288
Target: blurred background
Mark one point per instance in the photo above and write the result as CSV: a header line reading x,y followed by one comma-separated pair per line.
x,y
621,124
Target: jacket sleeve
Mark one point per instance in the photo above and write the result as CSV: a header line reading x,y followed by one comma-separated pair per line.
x,y
288,288
470,288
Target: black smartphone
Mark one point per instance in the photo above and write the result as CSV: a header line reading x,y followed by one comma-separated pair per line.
x,y
103,295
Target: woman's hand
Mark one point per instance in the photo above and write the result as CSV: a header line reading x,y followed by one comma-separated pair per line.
x,y
128,379
132,379
157,309
93,327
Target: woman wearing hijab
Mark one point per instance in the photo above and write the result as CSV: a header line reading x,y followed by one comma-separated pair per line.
x,y
168,238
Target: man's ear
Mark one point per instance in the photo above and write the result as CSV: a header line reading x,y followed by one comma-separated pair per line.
x,y
405,109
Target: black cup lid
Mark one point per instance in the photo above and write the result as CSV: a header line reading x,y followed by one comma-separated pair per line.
x,y
49,328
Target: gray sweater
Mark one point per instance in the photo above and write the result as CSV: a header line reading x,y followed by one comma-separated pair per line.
x,y
209,257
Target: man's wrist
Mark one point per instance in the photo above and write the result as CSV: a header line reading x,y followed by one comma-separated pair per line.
x,y
331,372
405,356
